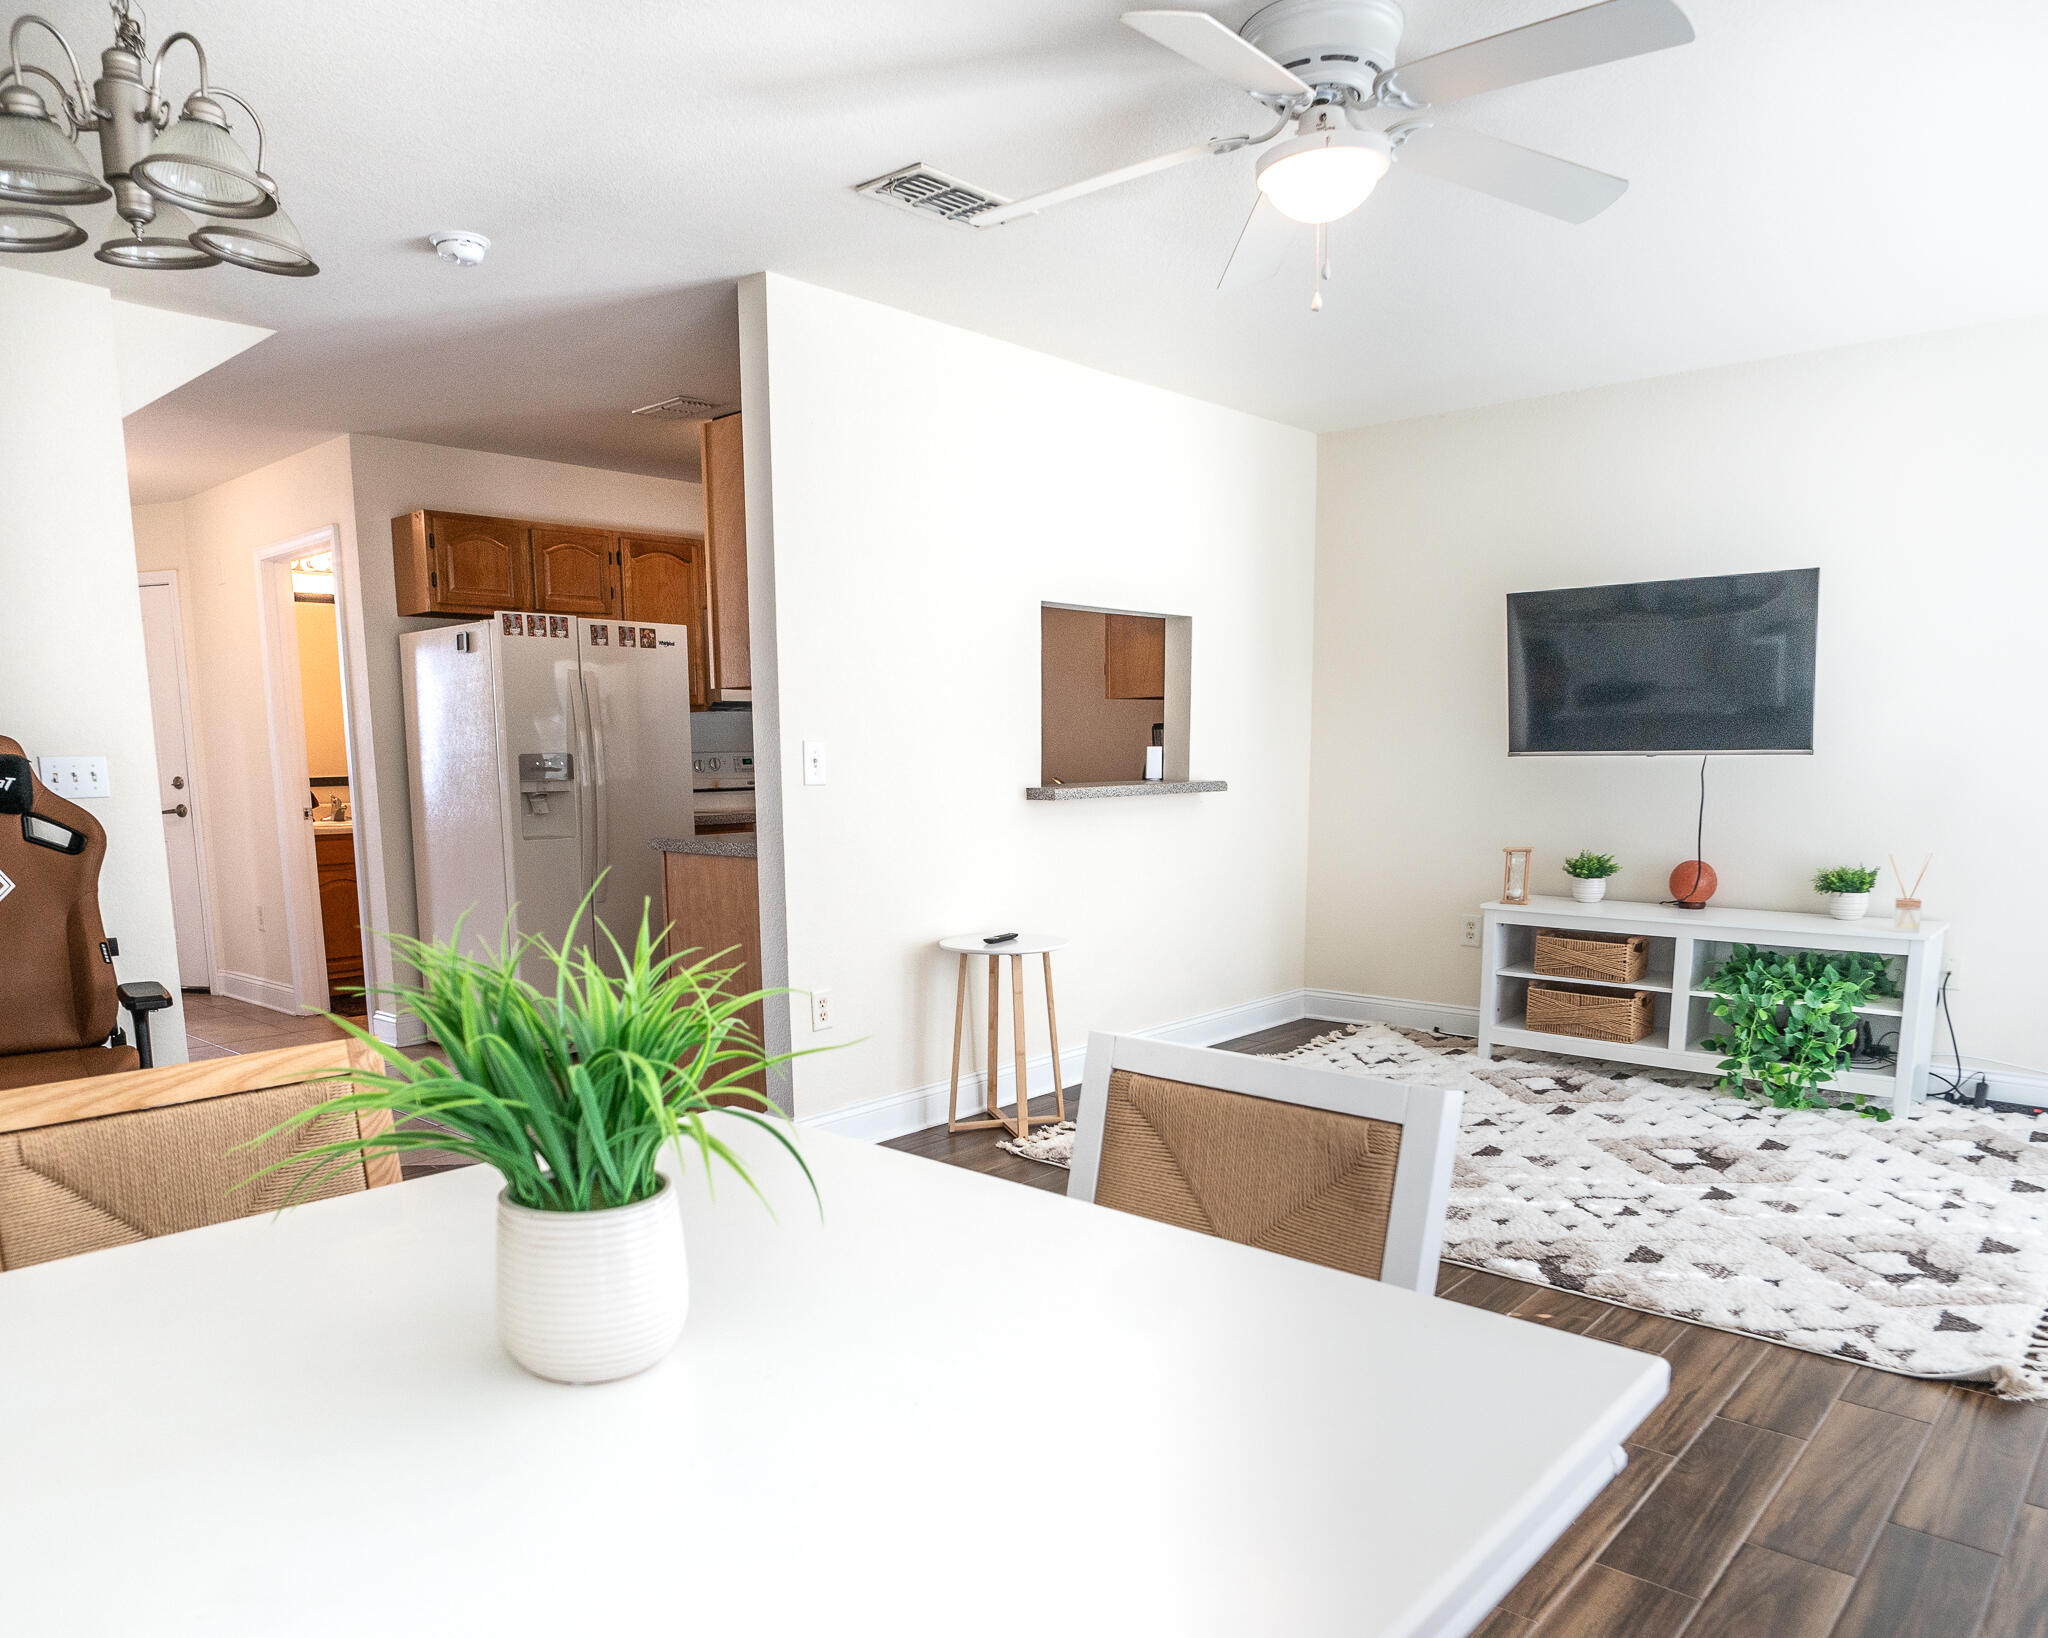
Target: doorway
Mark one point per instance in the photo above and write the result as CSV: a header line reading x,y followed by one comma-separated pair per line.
x,y
298,593
170,708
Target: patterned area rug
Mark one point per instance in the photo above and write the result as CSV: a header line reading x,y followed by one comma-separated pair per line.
x,y
1918,1246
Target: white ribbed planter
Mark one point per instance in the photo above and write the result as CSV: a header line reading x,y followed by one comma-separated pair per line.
x,y
590,1296
1847,906
1589,889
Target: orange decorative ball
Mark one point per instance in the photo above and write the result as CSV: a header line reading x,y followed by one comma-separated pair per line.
x,y
1693,883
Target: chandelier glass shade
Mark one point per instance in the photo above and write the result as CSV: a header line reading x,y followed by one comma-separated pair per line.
x,y
39,165
165,243
154,168
198,165
27,229
272,245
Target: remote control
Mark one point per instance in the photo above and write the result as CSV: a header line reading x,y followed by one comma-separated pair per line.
x,y
999,938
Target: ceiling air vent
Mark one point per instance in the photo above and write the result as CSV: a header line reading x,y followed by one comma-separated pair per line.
x,y
932,193
682,409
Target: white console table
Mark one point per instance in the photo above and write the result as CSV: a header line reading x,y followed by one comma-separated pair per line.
x,y
1685,947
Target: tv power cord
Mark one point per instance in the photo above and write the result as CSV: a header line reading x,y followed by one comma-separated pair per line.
x,y
1978,1093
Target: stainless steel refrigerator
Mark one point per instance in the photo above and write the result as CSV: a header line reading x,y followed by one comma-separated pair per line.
x,y
547,752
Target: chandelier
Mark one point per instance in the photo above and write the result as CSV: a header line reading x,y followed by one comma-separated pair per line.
x,y
161,173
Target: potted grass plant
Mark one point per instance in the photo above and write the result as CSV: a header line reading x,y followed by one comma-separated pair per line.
x,y
1847,890
571,1093
1589,873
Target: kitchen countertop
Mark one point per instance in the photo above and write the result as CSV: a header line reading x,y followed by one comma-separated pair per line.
x,y
1136,787
734,844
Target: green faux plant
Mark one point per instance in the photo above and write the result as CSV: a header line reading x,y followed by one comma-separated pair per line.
x,y
1791,1020
1845,879
569,1096
1591,867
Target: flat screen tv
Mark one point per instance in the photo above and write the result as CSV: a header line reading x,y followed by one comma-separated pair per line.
x,y
1723,664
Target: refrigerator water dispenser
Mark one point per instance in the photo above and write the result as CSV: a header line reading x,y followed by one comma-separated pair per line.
x,y
547,796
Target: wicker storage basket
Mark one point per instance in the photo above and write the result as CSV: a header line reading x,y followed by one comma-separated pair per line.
x,y
1615,958
1592,1015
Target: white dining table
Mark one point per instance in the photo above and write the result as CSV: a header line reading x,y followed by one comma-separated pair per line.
x,y
949,1405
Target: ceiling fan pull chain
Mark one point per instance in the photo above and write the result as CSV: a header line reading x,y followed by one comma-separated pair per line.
x,y
1315,304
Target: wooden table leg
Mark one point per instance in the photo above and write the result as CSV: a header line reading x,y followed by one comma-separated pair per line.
x,y
995,1038
959,1025
1052,1025
1017,1034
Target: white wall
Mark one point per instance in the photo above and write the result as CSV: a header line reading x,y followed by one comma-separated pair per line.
x,y
930,489
1914,473
355,484
73,680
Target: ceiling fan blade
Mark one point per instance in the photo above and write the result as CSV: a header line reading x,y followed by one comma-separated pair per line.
x,y
1579,39
1209,44
1261,244
1521,176
1032,204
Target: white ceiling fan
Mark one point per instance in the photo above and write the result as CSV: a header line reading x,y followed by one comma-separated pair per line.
x,y
1327,69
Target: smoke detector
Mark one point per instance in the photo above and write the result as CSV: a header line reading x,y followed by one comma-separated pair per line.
x,y
459,248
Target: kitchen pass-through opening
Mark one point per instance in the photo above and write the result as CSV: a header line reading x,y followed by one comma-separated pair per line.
x,y
1113,706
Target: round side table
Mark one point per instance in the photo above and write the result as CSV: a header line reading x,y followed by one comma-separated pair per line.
x,y
966,945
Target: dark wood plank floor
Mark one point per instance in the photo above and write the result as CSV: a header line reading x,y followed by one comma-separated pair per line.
x,y
1774,1494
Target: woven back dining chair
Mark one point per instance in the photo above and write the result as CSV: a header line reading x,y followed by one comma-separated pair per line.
x,y
106,1161
1338,1169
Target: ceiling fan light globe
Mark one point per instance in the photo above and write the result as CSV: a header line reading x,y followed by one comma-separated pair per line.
x,y
1324,175
270,246
164,244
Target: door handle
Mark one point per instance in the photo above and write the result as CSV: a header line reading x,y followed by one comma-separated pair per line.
x,y
179,810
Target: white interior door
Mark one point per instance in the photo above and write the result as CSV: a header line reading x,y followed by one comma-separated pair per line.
x,y
163,641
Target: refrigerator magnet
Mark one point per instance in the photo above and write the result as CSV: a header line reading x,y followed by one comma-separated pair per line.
x,y
628,637
536,625
510,624
558,625
646,636
600,634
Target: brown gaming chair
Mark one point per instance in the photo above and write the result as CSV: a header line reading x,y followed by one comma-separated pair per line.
x,y
58,996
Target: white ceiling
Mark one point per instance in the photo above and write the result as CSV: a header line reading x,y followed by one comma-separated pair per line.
x,y
1808,173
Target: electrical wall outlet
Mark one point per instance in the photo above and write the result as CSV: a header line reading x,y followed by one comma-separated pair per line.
x,y
74,776
814,762
821,1011
1468,932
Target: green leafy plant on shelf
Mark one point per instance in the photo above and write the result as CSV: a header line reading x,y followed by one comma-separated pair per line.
x,y
570,1095
1791,1020
1591,867
1845,879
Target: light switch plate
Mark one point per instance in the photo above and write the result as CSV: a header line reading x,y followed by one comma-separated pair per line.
x,y
74,777
814,762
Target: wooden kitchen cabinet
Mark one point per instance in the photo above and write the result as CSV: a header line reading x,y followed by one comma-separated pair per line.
x,y
574,570
725,554
712,903
453,563
341,928
662,579
1134,657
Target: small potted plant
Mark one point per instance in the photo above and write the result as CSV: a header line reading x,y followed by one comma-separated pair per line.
x,y
571,1093
1589,873
1847,890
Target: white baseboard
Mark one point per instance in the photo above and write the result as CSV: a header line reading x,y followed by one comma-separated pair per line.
x,y
1228,1023
1347,1007
400,1029
902,1113
258,992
